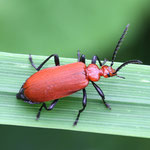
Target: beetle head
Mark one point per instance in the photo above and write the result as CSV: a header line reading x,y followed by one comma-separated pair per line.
x,y
108,71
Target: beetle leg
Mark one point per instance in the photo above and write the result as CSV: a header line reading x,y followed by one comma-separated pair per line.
x,y
56,60
100,92
105,60
49,108
30,102
82,58
78,54
94,59
30,59
84,102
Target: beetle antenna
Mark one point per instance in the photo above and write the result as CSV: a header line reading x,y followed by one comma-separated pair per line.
x,y
118,44
120,77
105,60
126,63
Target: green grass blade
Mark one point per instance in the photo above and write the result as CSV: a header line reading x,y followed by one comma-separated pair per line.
x,y
129,99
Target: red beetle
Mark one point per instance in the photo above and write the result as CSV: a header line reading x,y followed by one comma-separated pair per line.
x,y
60,81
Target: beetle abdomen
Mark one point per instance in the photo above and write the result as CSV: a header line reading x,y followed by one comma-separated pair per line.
x,y
55,82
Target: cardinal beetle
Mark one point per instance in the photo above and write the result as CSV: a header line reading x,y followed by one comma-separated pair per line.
x,y
60,81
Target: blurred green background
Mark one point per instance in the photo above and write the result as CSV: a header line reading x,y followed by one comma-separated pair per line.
x,y
63,27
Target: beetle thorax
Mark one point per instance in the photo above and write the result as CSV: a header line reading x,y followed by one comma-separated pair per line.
x,y
93,72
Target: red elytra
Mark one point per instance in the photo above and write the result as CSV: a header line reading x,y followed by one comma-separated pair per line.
x,y
60,81
56,82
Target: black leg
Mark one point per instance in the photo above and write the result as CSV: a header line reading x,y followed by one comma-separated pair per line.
x,y
56,60
82,58
78,54
105,60
94,59
49,108
30,102
100,92
84,102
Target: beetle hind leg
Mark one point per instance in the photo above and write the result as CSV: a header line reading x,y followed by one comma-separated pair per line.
x,y
49,108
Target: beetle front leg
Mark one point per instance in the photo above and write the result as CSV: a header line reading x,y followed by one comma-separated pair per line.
x,y
49,108
100,92
84,102
56,60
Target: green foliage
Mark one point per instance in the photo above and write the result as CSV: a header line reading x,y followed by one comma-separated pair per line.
x,y
63,27
129,99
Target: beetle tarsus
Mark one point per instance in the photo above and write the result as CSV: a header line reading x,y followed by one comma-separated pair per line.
x,y
38,116
49,108
75,123
39,112
107,105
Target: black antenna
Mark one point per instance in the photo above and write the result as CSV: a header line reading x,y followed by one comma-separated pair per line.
x,y
126,63
118,44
